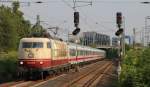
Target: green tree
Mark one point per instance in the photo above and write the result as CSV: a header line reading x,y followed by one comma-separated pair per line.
x,y
13,27
7,28
15,8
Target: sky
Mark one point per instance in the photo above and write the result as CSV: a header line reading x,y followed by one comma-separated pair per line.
x,y
100,17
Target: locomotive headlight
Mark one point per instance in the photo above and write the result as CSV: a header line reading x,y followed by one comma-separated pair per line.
x,y
41,62
21,63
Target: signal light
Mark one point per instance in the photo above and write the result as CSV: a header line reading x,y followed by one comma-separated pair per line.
x,y
76,31
120,31
76,18
119,19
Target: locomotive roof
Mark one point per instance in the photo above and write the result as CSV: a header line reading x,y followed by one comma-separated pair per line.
x,y
34,39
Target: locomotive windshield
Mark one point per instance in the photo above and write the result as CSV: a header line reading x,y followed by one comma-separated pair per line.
x,y
32,45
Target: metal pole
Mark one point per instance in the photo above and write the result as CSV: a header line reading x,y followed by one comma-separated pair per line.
x,y
142,37
77,65
145,31
133,38
122,43
68,37
119,48
74,7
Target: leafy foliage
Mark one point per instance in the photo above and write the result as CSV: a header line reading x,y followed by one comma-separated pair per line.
x,y
127,47
8,66
135,69
12,27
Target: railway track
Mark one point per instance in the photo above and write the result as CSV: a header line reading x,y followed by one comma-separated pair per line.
x,y
91,78
14,84
93,81
87,77
23,83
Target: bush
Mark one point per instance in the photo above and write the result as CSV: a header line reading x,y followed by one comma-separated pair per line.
x,y
8,66
136,69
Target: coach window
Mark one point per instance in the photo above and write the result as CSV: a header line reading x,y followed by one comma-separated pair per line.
x,y
72,52
48,45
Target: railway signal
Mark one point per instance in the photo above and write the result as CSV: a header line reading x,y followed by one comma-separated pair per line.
x,y
76,15
76,19
119,23
119,32
76,23
76,31
119,19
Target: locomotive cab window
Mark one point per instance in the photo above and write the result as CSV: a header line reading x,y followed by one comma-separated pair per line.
x,y
26,45
37,45
32,45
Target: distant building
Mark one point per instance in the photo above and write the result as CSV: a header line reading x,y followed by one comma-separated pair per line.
x,y
115,41
128,39
94,39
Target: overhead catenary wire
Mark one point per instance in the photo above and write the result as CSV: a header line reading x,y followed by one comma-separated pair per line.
x,y
30,17
66,1
91,19
84,19
67,4
74,1
11,1
85,1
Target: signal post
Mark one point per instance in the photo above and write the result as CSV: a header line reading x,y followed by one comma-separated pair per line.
x,y
120,33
